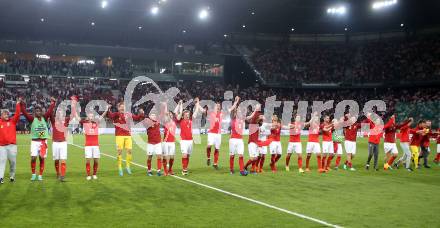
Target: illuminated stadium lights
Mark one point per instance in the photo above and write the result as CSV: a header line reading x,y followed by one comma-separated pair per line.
x,y
243,26
225,35
139,27
86,61
401,25
42,19
92,23
345,29
383,4
42,56
203,14
104,4
339,10
292,29
183,31
154,10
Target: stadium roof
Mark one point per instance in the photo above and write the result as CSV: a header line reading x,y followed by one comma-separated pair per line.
x,y
132,21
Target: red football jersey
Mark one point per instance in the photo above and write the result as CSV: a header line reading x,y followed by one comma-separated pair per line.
x,y
185,129
59,135
170,131
404,133
295,133
275,134
350,132
254,128
314,132
215,120
416,139
390,129
122,128
327,135
8,134
91,131
237,128
153,133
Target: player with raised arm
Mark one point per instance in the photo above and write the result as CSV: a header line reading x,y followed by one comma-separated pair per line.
x,y
275,144
8,141
417,136
215,118
404,144
185,119
169,139
91,148
154,146
123,134
254,119
350,134
327,142
39,135
236,145
375,133
263,143
425,144
313,146
60,123
295,145
390,146
338,139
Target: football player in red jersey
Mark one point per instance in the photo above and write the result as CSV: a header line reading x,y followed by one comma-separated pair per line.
x,y
350,134
8,141
236,145
169,141
185,119
416,140
295,145
327,141
255,119
154,146
91,147
275,142
390,147
215,118
313,146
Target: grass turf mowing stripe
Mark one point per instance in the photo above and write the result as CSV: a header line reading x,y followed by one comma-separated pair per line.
x,y
236,195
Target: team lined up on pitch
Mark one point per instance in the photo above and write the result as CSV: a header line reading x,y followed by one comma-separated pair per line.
x,y
263,136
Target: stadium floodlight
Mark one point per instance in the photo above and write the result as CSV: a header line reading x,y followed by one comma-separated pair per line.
x,y
42,19
225,35
243,26
92,23
345,29
183,31
401,25
338,10
42,56
104,4
139,27
383,4
154,10
292,29
203,14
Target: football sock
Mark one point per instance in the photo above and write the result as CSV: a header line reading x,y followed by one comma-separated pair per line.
x,y
63,169
88,168
216,153
41,166
128,159
95,167
208,152
338,160
262,159
33,165
391,160
231,162
149,164
318,157
248,163
241,163
119,161
308,161
57,167
159,164
288,159
300,162
171,162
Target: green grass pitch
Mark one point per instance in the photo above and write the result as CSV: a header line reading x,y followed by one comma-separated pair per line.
x,y
350,199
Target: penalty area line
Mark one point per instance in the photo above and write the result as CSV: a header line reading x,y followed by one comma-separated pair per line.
x,y
236,195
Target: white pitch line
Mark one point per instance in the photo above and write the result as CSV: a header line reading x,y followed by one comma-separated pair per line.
x,y
237,196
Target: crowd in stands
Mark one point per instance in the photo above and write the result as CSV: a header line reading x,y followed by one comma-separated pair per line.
x,y
385,60
415,102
